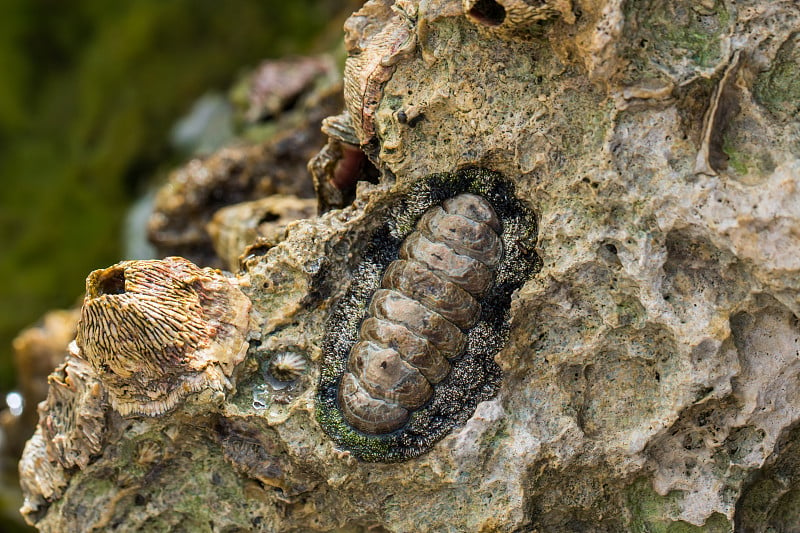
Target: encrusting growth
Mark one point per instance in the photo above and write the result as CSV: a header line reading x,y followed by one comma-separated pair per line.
x,y
156,331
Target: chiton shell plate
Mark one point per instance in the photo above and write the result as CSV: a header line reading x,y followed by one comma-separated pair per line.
x,y
385,312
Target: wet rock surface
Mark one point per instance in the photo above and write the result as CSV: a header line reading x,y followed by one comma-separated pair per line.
x,y
649,375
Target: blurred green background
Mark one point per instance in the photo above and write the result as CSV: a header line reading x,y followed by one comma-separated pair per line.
x,y
89,92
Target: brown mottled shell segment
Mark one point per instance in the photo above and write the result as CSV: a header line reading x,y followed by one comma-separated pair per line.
x,y
430,325
414,280
366,413
383,373
464,236
419,317
413,348
473,207
466,272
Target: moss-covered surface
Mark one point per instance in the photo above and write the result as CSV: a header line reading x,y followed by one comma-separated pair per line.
x,y
676,39
89,92
151,458
651,512
771,498
778,88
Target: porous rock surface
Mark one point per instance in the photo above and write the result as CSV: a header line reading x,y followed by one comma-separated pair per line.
x,y
650,376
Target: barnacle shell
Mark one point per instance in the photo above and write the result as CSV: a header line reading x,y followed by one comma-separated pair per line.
x,y
418,316
42,479
156,331
373,50
254,451
276,85
287,366
71,432
514,16
340,164
340,128
264,221
73,415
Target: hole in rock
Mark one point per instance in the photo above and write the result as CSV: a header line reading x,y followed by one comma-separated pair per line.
x,y
488,12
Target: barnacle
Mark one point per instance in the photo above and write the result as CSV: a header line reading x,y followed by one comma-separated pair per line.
x,y
73,415
340,164
71,433
287,366
512,16
156,331
373,52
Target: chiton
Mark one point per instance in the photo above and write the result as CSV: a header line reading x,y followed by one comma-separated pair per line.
x,y
409,350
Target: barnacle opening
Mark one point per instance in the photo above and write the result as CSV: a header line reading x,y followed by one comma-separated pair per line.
x,y
268,217
110,281
488,12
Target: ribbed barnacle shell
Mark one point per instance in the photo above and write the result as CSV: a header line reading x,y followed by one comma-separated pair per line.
x,y
73,415
418,318
515,16
156,331
287,366
71,433
373,50
262,221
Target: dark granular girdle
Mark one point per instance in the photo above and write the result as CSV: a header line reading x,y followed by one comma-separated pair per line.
x,y
474,376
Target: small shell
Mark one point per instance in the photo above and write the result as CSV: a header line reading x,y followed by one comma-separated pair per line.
x,y
275,85
71,433
340,164
418,316
287,366
340,128
156,331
